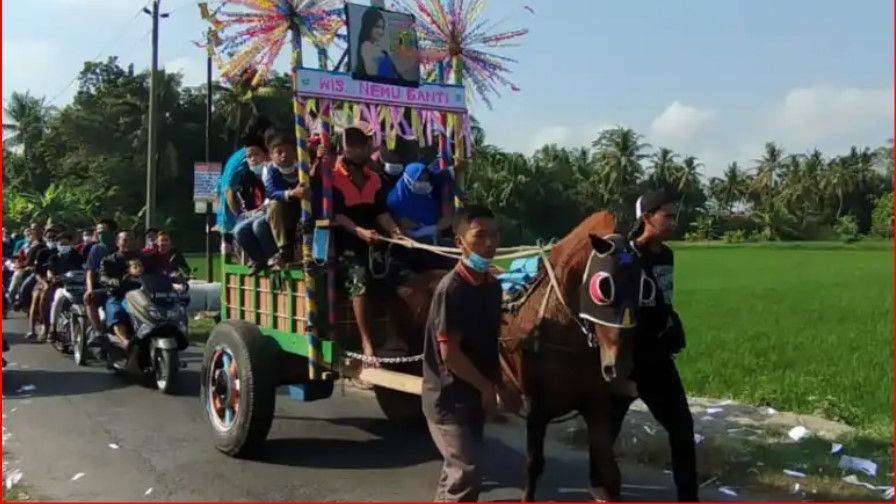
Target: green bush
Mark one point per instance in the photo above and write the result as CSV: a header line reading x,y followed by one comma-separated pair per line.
x,y
848,229
882,216
735,236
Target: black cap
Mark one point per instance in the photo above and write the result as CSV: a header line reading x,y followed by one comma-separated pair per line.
x,y
649,202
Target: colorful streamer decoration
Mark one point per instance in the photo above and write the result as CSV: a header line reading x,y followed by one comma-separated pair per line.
x,y
451,32
248,35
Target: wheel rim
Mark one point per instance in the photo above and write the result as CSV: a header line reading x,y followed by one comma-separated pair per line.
x,y
223,389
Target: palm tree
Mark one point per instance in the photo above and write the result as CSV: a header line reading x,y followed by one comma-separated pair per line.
x,y
29,117
764,186
662,169
619,152
687,175
730,188
838,181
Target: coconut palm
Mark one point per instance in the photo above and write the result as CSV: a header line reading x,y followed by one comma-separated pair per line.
x,y
662,168
618,154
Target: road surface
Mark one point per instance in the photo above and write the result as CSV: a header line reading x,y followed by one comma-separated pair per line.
x,y
133,443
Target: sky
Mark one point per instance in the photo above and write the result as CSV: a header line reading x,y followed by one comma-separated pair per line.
x,y
710,78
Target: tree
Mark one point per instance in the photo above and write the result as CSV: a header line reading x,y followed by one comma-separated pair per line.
x,y
662,168
618,154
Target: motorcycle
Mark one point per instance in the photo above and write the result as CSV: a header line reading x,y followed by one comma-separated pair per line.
x,y
159,326
69,323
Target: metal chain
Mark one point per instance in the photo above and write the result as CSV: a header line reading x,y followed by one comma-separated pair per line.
x,y
383,360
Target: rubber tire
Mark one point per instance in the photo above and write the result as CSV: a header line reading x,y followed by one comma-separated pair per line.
x,y
171,365
79,341
256,357
402,409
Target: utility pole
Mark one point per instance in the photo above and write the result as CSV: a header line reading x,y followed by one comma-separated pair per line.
x,y
152,155
208,157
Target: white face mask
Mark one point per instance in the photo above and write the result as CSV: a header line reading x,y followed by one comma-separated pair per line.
x,y
64,249
51,244
288,170
421,188
393,169
87,238
257,169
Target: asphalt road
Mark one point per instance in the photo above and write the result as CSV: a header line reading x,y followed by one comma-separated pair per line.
x,y
331,450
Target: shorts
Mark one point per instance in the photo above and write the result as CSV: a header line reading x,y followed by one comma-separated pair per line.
x,y
115,312
353,273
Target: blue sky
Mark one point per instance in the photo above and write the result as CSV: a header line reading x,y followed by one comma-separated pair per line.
x,y
713,78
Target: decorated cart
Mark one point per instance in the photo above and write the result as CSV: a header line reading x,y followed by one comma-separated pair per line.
x,y
290,327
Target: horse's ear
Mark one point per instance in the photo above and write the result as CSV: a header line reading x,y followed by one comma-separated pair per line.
x,y
601,246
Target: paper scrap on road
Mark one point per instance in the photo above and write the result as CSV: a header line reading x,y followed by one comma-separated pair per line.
x,y
713,411
769,411
866,466
148,491
114,446
796,488
13,410
77,476
707,418
26,388
698,438
795,474
728,491
836,448
798,432
650,430
13,479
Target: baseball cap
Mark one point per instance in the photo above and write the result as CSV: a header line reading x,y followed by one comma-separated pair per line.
x,y
649,202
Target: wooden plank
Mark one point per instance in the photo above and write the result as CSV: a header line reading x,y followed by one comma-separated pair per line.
x,y
394,380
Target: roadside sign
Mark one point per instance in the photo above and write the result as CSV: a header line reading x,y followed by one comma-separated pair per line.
x,y
205,181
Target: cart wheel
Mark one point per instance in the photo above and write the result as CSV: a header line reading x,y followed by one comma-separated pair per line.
x,y
238,388
402,409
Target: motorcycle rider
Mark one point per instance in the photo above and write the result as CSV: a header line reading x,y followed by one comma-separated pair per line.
x,y
164,258
25,274
66,259
120,273
95,295
33,288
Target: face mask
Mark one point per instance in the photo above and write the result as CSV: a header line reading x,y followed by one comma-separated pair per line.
x,y
257,169
393,169
87,238
64,249
421,188
475,261
104,237
288,170
51,244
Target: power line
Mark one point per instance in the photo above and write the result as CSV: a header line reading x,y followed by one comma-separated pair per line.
x,y
114,40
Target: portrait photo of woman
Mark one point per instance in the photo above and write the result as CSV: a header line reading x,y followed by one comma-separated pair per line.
x,y
373,58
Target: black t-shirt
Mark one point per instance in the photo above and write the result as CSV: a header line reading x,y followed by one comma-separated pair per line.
x,y
42,260
250,190
472,312
60,264
31,258
115,267
655,336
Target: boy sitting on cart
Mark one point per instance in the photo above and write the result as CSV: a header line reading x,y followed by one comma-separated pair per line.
x,y
359,208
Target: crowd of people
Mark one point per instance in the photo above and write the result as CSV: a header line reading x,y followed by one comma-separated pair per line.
x,y
37,260
402,192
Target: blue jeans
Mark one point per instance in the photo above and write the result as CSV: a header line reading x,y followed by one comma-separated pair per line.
x,y
254,236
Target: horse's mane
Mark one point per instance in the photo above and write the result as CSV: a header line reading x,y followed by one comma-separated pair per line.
x,y
570,255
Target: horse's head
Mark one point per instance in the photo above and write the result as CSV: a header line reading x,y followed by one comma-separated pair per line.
x,y
613,286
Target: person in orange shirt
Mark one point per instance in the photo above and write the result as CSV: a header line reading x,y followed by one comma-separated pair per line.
x,y
360,214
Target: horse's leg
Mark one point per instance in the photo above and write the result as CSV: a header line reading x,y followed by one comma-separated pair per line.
x,y
606,481
536,426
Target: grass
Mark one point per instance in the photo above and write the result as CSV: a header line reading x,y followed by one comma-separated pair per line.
x,y
800,330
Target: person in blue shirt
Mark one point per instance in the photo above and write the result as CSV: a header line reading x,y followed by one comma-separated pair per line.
x,y
284,193
228,185
94,295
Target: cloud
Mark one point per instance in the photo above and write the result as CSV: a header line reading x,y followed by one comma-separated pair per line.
x,y
813,115
564,136
679,124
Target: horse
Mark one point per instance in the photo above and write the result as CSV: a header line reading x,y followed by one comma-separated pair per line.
x,y
565,346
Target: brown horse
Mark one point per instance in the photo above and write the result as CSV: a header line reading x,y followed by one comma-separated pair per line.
x,y
563,346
